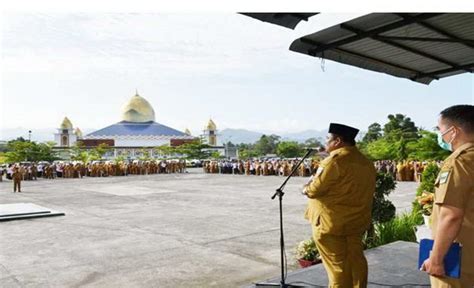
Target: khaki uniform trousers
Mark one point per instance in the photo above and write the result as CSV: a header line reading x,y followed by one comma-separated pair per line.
x,y
16,185
447,282
343,258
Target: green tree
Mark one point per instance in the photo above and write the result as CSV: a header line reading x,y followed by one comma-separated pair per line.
x,y
144,155
247,154
289,149
400,126
267,144
313,142
215,155
98,152
426,147
373,133
381,149
194,150
79,153
3,159
246,150
119,159
3,148
401,147
165,150
20,150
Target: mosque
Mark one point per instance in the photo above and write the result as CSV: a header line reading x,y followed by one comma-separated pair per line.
x,y
136,133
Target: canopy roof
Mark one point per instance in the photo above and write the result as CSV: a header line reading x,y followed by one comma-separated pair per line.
x,y
419,46
288,20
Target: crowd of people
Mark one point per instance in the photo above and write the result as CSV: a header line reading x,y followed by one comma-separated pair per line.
x,y
403,170
400,170
33,171
277,167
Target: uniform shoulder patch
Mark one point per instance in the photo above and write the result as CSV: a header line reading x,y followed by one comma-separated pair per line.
x,y
319,171
443,176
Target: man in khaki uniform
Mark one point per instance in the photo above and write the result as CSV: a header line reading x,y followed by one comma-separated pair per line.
x,y
453,212
340,207
17,177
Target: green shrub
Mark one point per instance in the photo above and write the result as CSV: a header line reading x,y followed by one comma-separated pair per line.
x,y
382,209
401,228
428,178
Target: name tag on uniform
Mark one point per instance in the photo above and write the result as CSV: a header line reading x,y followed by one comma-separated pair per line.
x,y
443,177
319,171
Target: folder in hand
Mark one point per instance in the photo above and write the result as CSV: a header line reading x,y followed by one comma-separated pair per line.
x,y
452,260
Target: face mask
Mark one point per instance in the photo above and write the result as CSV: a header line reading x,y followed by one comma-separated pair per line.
x,y
443,144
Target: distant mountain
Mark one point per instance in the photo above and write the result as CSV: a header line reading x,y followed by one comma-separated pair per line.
x,y
304,135
238,136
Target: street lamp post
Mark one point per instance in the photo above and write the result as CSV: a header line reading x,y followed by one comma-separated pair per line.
x,y
29,135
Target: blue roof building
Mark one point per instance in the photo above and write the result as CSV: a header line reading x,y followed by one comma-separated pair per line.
x,y
138,128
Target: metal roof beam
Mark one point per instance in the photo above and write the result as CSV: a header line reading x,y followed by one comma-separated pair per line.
x,y
403,47
468,43
468,67
428,39
395,25
312,42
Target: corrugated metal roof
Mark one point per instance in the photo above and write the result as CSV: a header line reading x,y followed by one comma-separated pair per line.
x,y
418,46
125,128
288,20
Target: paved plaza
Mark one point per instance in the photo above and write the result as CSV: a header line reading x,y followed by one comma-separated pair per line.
x,y
176,230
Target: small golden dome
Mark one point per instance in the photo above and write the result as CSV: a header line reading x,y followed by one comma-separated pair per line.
x,y
78,133
66,124
211,125
138,109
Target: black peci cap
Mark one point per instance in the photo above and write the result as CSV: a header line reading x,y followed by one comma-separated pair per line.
x,y
343,130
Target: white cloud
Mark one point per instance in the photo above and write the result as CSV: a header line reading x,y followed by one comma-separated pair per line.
x,y
190,67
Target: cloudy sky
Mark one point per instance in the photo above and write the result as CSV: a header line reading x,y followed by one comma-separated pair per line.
x,y
192,66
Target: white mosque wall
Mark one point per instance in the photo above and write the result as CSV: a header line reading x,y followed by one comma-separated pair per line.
x,y
72,138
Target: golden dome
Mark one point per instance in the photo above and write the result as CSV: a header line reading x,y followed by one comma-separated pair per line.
x,y
66,124
78,133
187,132
211,125
138,109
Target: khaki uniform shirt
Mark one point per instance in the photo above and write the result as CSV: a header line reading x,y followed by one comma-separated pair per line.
x,y
341,193
455,187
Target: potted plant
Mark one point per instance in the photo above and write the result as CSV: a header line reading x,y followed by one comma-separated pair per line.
x,y
426,202
307,253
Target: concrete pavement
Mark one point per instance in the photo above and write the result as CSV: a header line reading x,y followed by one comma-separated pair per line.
x,y
181,230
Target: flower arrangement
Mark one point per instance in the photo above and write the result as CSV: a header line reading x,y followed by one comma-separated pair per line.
x,y
307,253
426,200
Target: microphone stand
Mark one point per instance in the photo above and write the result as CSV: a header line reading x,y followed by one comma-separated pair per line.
x,y
279,192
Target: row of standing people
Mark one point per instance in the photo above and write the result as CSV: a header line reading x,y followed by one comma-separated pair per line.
x,y
403,170
98,169
261,167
